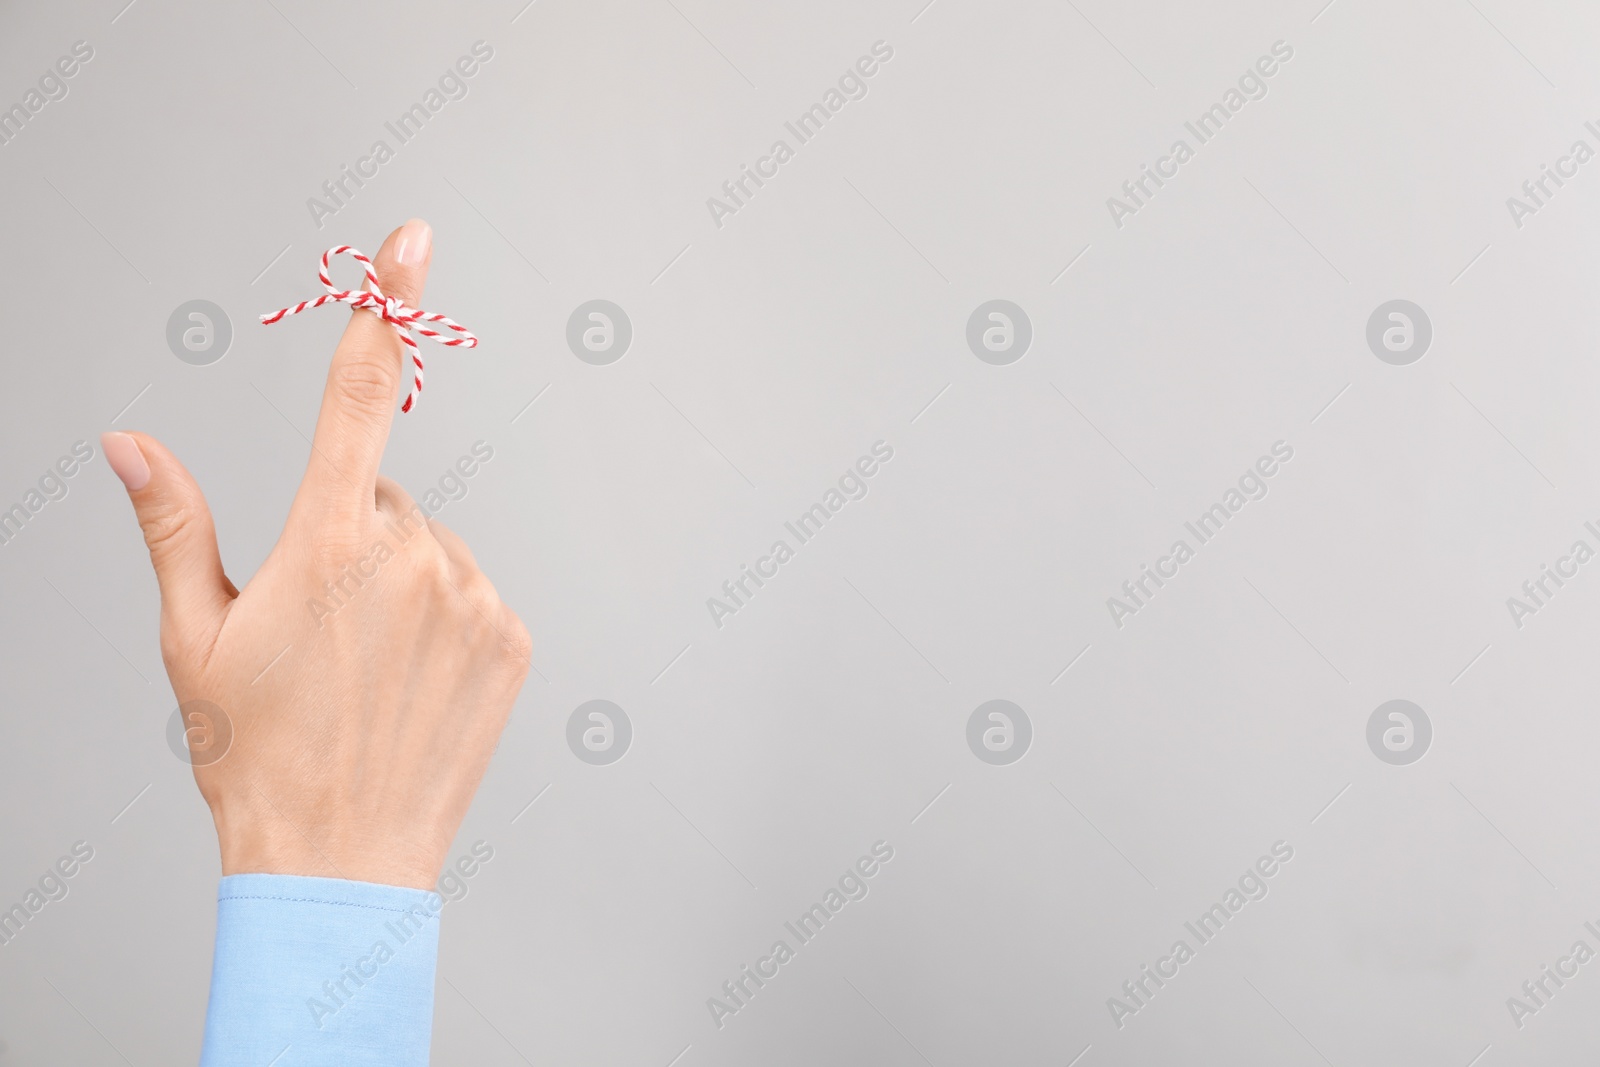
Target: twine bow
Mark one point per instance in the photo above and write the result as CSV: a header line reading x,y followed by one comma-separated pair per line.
x,y
391,309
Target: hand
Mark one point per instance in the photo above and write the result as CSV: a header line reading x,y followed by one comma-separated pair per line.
x,y
355,754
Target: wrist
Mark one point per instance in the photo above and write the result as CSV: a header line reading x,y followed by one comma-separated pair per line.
x,y
251,846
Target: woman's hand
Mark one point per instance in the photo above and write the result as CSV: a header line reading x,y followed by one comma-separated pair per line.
x,y
366,670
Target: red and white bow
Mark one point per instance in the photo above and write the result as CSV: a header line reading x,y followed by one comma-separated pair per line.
x,y
404,319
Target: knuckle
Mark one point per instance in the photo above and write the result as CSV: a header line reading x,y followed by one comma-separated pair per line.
x,y
367,380
431,554
480,596
432,569
163,525
517,643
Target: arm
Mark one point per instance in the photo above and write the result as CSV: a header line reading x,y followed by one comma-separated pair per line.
x,y
340,710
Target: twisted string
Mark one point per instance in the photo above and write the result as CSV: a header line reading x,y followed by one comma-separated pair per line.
x,y
393,311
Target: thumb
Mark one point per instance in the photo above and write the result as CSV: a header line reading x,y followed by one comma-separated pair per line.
x,y
177,527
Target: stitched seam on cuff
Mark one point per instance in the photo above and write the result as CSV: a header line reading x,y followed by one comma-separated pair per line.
x,y
335,903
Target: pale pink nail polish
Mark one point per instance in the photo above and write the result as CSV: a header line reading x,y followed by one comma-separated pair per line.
x,y
411,249
127,462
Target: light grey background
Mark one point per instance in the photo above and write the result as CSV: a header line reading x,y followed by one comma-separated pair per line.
x,y
767,355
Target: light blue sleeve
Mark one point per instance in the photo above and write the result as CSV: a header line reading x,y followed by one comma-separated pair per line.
x,y
318,972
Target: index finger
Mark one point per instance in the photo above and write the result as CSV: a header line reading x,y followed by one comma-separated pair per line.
x,y
369,368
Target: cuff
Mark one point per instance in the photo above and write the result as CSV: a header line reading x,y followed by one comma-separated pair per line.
x,y
318,971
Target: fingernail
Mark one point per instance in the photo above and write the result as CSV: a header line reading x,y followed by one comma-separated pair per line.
x,y
127,462
411,250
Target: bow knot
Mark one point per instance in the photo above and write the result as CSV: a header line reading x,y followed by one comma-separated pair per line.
x,y
391,309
